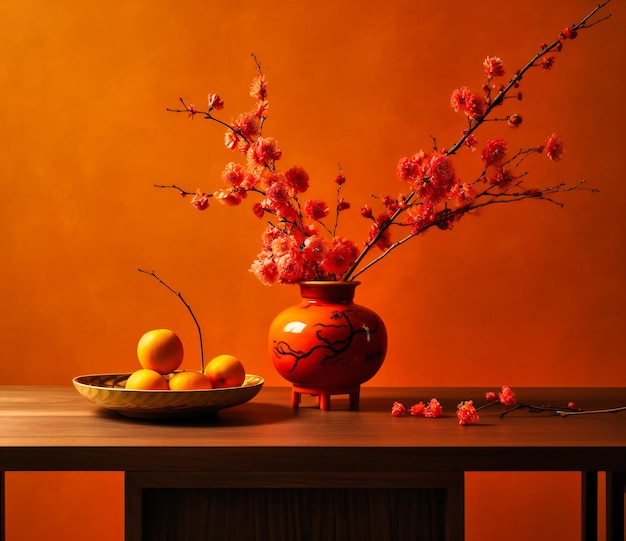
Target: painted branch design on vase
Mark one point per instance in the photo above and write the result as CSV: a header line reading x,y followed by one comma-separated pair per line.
x,y
334,347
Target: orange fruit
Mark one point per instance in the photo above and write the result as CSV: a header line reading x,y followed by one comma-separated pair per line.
x,y
189,380
146,379
225,371
160,350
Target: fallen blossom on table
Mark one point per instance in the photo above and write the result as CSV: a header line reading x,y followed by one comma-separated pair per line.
x,y
398,410
466,412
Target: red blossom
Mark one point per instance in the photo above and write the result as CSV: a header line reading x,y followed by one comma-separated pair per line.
x,y
417,409
265,151
316,209
438,177
339,258
554,147
340,179
570,33
264,268
409,169
384,239
502,178
261,107
215,102
433,409
248,125
258,210
466,413
472,105
200,200
270,234
290,266
440,169
493,67
366,211
231,197
268,178
278,193
490,396
507,397
342,204
494,151
391,204
231,140
234,174
191,111
421,217
547,62
314,248
398,410
298,179
258,88
471,141
462,193
571,405
514,120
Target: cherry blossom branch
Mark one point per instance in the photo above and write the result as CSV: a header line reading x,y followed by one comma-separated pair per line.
x,y
446,217
191,111
352,272
467,413
518,76
178,294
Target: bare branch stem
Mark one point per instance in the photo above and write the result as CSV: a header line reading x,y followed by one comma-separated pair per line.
x,y
178,294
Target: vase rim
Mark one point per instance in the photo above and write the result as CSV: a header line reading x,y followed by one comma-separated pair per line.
x,y
334,283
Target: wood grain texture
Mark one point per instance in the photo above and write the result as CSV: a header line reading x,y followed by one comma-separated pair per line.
x,y
53,428
265,450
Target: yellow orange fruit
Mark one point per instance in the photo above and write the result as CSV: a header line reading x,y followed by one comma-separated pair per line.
x,y
160,350
189,380
146,379
225,371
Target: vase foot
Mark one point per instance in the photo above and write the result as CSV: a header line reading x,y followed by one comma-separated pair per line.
x,y
323,396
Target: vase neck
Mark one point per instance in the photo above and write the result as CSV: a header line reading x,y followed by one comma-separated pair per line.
x,y
322,291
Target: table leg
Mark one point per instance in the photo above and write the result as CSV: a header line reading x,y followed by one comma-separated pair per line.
x,y
2,533
615,490
589,480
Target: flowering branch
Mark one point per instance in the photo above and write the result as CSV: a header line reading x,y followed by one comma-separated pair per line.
x,y
178,294
570,33
295,244
477,111
467,412
443,220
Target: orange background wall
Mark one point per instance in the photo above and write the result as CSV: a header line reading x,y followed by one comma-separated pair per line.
x,y
527,295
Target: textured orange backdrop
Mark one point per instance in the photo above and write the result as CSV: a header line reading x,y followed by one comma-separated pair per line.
x,y
527,295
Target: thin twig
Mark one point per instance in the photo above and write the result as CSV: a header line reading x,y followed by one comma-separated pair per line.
x,y
567,413
178,294
174,187
539,409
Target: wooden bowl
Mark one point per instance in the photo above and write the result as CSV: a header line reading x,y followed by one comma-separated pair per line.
x,y
108,391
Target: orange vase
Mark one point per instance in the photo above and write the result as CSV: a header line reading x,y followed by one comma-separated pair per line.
x,y
327,344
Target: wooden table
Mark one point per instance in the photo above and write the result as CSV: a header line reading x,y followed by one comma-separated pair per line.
x,y
284,473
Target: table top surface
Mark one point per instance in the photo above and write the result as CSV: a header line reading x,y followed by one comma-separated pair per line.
x,y
54,428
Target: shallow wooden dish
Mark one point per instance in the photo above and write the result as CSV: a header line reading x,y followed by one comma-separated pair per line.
x,y
108,391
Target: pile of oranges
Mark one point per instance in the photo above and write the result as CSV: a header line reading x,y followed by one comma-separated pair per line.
x,y
160,353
